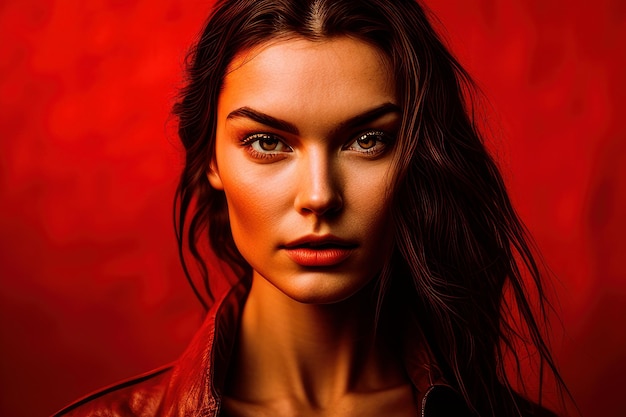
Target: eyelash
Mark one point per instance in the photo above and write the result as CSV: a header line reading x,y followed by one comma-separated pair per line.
x,y
249,141
381,137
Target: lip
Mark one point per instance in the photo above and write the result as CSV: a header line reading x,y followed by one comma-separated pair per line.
x,y
318,251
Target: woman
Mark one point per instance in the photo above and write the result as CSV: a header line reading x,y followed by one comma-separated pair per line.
x,y
332,161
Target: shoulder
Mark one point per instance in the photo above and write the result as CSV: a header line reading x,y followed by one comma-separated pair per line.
x,y
444,401
139,396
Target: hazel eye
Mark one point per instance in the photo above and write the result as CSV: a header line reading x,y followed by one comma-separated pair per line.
x,y
374,141
266,143
367,141
265,146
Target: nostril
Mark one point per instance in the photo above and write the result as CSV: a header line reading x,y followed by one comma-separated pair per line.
x,y
321,208
319,202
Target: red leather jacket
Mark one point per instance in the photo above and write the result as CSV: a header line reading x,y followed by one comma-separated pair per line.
x,y
191,386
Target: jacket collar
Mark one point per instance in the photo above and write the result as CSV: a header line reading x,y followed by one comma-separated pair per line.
x,y
197,377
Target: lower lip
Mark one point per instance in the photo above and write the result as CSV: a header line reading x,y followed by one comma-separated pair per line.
x,y
318,257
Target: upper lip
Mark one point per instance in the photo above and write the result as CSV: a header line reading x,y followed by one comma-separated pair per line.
x,y
313,241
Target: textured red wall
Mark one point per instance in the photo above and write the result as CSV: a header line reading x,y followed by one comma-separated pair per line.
x,y
91,290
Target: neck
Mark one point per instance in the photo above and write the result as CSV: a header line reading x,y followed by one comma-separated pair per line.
x,y
312,353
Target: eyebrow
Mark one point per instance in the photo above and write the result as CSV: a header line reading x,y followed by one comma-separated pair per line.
x,y
273,122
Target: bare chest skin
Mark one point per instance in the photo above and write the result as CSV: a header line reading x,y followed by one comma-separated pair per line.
x,y
394,402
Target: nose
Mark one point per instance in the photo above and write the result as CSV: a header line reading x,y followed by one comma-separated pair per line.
x,y
319,186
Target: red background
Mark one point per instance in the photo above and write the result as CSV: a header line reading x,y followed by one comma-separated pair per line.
x,y
91,290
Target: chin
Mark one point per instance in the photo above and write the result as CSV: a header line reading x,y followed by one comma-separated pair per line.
x,y
319,299
318,290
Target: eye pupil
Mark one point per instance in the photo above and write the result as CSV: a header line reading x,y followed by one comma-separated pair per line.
x,y
268,144
367,141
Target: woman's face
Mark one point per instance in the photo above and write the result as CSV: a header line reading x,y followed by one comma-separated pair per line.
x,y
305,136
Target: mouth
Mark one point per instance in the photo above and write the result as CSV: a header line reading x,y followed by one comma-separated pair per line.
x,y
320,245
320,242
319,251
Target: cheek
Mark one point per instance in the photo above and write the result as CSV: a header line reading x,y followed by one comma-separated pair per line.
x,y
370,196
374,216
254,206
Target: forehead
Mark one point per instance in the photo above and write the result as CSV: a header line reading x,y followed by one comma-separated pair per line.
x,y
309,77
323,54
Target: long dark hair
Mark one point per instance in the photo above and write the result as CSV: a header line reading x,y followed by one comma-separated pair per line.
x,y
459,246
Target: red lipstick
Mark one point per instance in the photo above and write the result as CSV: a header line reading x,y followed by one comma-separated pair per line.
x,y
312,251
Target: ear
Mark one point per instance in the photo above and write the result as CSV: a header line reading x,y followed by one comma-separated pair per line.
x,y
214,176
